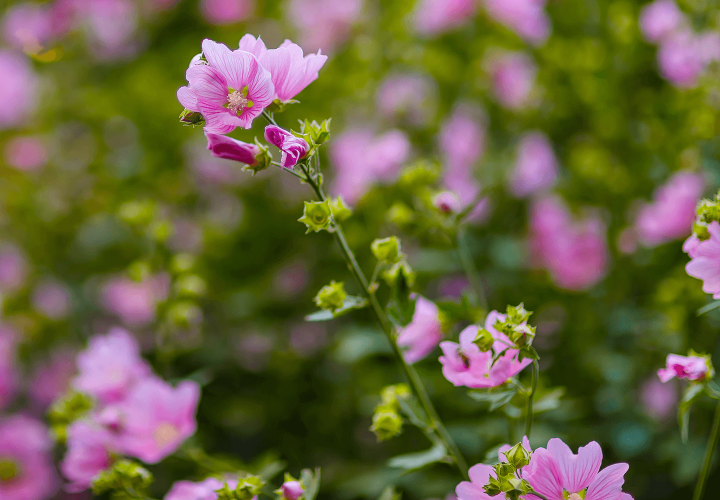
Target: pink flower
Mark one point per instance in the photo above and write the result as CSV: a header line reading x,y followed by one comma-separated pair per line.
x,y
293,148
134,301
158,418
52,379
557,469
432,17
323,24
203,490
660,19
409,95
25,451
705,263
230,91
110,26
513,78
18,90
672,212
473,490
8,369
680,60
226,11
466,365
89,448
659,400
423,333
535,168
27,27
708,47
447,202
689,367
691,245
525,17
292,490
110,366
13,267
51,299
26,153
221,146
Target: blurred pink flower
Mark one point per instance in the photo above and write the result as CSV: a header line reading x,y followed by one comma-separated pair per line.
x,y
203,490
323,24
412,96
8,369
708,47
659,400
479,475
26,153
690,246
19,93
13,267
688,367
424,332
223,82
111,27
89,448
158,418
513,78
226,11
52,379
51,299
672,212
447,202
25,448
432,17
527,18
556,472
705,263
660,19
293,148
225,147
573,252
28,27
680,60
535,168
360,159
110,366
134,301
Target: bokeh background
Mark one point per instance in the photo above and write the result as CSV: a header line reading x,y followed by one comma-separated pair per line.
x,y
590,126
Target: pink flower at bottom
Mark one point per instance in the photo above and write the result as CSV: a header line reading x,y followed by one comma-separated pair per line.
x,y
423,333
558,474
473,490
88,453
203,490
689,367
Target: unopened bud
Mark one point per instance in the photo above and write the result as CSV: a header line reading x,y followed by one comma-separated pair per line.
x,y
484,340
340,210
316,215
331,297
192,118
392,393
518,456
386,423
387,249
447,202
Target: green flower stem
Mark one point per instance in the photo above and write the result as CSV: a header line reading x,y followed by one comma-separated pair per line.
x,y
387,327
470,270
709,452
531,396
269,118
539,495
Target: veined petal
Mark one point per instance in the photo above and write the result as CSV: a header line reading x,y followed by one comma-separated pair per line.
x,y
188,98
230,64
607,485
543,476
256,47
577,471
209,86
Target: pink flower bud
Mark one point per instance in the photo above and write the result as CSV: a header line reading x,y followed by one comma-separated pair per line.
x,y
221,146
689,367
292,490
447,202
293,148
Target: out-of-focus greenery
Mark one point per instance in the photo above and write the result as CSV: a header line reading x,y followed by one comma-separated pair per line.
x,y
618,130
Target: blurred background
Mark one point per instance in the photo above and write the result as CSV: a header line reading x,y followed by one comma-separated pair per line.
x,y
590,127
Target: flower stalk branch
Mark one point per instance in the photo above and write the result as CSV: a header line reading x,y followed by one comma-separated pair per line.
x,y
531,396
709,452
470,270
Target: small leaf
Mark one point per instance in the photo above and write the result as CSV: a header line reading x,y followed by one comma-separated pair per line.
x,y
351,303
692,392
495,398
709,307
414,461
311,483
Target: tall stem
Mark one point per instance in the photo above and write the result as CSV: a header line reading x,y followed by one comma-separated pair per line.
x,y
531,396
470,270
415,382
709,451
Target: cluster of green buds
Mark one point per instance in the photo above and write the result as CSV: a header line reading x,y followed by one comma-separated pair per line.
x,y
314,133
331,297
387,421
125,480
388,252
708,211
69,408
508,481
515,327
317,216
246,489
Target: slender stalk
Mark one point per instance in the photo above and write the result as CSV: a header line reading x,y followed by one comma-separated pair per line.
x,y
470,270
539,495
269,118
531,396
709,452
415,382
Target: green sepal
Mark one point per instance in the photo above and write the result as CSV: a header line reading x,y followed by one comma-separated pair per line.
x,y
262,160
192,118
331,297
339,209
317,216
351,303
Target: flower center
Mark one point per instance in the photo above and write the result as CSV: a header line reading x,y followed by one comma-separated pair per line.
x,y
238,101
8,470
165,434
575,496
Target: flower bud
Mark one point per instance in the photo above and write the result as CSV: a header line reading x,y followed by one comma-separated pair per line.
x,y
400,214
124,478
192,118
447,202
701,231
331,297
318,133
492,488
522,335
387,249
255,156
484,340
316,215
518,314
517,456
293,148
339,209
291,490
402,267
390,395
386,423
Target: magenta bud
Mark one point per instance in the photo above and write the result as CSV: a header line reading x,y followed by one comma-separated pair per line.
x,y
292,490
222,146
293,148
447,202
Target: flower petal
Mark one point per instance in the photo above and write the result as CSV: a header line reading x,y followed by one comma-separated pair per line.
x,y
577,471
543,476
607,485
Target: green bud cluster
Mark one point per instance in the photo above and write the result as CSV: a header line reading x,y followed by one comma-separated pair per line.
x,y
387,421
125,480
66,410
246,489
707,211
317,216
387,249
339,209
515,326
331,297
507,480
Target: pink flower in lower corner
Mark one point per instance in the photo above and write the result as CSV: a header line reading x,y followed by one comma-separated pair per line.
x,y
292,490
89,448
689,367
705,263
558,474
222,146
26,459
473,490
230,91
203,490
423,333
158,418
293,148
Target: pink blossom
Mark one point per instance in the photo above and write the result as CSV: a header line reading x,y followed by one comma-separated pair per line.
x,y
660,19
25,449
671,214
293,148
536,167
158,418
573,251
691,245
323,24
110,366
659,400
110,26
26,153
233,79
203,490
52,379
432,17
89,448
513,78
226,11
27,27
556,469
292,490
412,96
361,158
447,202
134,301
680,60
51,299
18,89
525,17
708,47
8,369
705,263
225,147
689,367
423,333
13,267
479,474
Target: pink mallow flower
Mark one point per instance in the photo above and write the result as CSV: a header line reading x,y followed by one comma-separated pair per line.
x,y
660,19
672,212
110,366
89,449
423,333
680,59
527,18
52,379
535,168
26,459
432,17
223,12
158,418
26,154
18,89
293,148
51,299
480,474
8,368
705,263
690,367
558,474
412,96
230,91
513,78
466,365
203,490
134,301
292,490
323,24
222,146
28,27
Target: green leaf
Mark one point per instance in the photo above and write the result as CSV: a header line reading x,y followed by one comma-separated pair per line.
x,y
351,303
691,394
389,493
311,483
495,398
709,307
414,461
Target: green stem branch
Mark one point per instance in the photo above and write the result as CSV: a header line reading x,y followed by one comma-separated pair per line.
x,y
709,452
470,270
531,396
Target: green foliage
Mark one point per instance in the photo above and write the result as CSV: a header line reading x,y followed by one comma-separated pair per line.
x,y
124,480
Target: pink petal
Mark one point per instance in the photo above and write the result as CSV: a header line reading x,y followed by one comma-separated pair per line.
x,y
543,475
607,485
577,471
187,98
